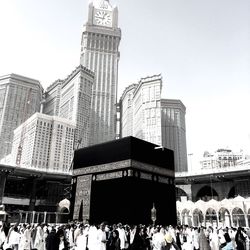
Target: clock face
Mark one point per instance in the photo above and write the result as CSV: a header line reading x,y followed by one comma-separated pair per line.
x,y
103,18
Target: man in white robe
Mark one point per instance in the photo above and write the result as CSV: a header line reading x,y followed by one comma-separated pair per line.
x,y
25,242
122,236
2,234
92,238
39,242
101,238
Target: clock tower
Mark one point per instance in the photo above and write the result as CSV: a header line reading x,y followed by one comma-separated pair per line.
x,y
100,53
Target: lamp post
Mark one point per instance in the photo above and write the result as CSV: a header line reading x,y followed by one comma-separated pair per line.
x,y
153,214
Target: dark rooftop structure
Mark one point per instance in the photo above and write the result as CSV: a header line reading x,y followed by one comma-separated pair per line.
x,y
122,149
118,181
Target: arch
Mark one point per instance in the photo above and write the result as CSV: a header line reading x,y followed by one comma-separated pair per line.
x,y
198,217
64,215
64,210
238,217
231,193
63,204
186,217
179,193
211,217
224,217
207,193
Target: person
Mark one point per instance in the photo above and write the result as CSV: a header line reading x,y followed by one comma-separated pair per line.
x,y
122,236
169,240
158,242
39,241
81,241
145,238
2,235
110,236
14,238
63,243
127,232
25,241
115,243
136,240
240,240
101,238
195,239
70,235
52,240
92,237
229,243
203,242
214,240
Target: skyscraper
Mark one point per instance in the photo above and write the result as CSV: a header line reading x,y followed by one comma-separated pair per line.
x,y
47,143
173,128
100,53
52,96
145,115
20,97
141,110
71,99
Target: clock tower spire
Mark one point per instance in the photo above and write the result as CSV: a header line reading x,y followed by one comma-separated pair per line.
x,y
100,53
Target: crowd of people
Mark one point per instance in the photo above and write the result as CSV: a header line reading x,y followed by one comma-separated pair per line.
x,y
79,236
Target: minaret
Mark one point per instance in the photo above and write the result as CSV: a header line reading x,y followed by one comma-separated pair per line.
x,y
99,52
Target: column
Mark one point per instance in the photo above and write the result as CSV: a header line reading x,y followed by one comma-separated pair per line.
x,y
26,217
181,219
20,217
33,195
44,217
56,217
246,219
3,177
192,219
37,218
231,219
33,217
217,219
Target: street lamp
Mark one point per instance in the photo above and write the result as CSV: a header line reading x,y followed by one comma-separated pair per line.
x,y
153,214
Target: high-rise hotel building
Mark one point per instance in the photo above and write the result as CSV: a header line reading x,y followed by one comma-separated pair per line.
x,y
141,110
51,98
47,143
100,53
173,129
20,97
71,99
145,115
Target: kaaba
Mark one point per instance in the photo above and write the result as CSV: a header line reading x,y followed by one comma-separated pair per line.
x,y
121,181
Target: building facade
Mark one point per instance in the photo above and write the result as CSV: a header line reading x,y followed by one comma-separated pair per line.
x,y
47,143
100,53
221,158
75,102
126,126
51,99
148,117
20,97
71,99
173,127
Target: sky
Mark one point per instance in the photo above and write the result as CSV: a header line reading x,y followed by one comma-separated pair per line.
x,y
201,48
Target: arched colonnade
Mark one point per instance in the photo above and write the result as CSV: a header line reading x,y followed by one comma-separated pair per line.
x,y
228,212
